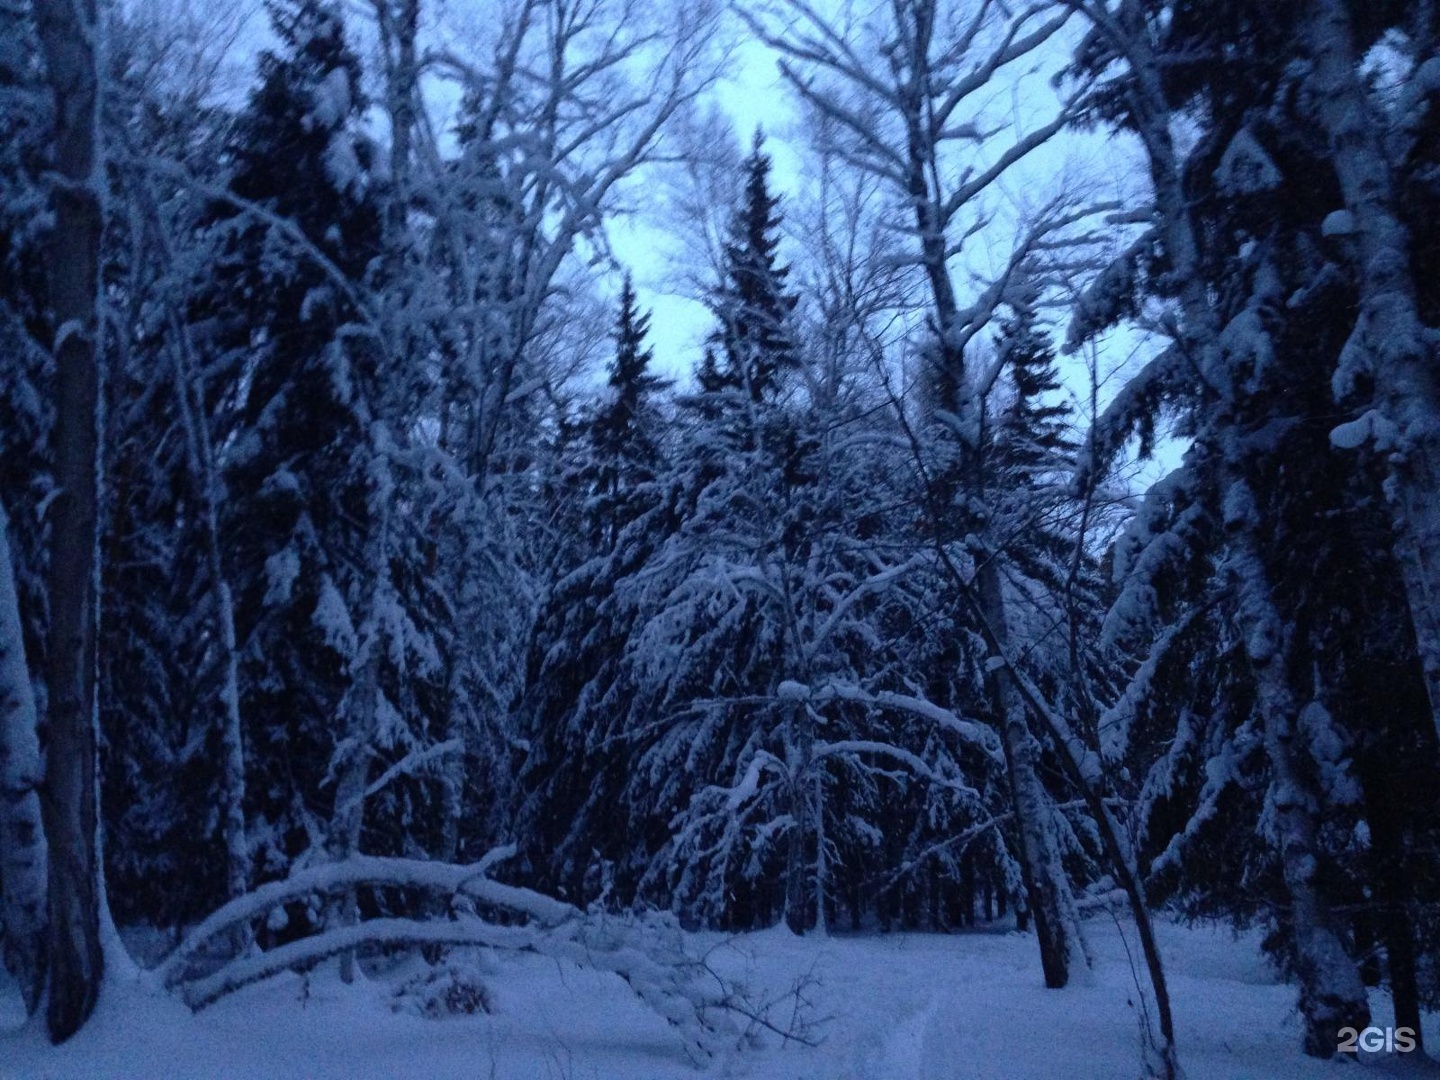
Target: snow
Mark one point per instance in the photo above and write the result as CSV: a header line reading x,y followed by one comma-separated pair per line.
x,y
1245,167
342,163
899,1007
1338,223
281,570
333,99
790,690
1371,426
332,617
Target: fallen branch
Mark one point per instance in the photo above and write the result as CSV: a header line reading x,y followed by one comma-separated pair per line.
x,y
646,952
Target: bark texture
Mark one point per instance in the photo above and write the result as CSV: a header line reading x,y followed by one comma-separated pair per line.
x,y
69,35
1390,341
1332,994
22,836
1057,923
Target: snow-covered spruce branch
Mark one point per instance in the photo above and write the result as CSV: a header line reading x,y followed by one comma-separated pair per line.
x,y
373,327
961,840
914,762
975,734
1115,721
1222,770
875,583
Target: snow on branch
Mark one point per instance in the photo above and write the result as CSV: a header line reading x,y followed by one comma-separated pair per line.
x,y
646,952
1115,722
917,764
467,880
412,762
308,951
972,733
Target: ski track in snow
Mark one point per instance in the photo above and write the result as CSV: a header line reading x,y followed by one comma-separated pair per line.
x,y
899,1007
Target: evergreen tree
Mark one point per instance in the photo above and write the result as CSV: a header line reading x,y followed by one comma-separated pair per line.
x,y
624,431
753,349
26,412
166,643
294,379
572,815
1278,732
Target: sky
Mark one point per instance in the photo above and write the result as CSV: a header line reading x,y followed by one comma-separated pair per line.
x,y
750,95
753,94
648,241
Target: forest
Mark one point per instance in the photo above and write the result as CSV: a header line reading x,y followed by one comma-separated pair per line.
x,y
470,499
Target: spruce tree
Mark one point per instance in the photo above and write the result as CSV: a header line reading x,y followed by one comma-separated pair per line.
x,y
624,431
753,347
576,769
1279,731
26,416
294,378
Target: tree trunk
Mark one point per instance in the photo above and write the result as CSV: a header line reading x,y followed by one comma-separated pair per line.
x,y
822,862
1390,340
398,21
1397,787
1057,923
68,32
800,737
22,836
361,707
1332,994
206,473
348,821
452,776
1083,767
1398,932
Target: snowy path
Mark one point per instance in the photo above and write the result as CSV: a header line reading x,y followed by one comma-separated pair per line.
x,y
900,1007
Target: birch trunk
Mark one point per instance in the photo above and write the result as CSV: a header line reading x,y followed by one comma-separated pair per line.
x,y
1057,922
349,817
1331,992
1057,925
1389,340
1082,765
1332,995
22,836
68,32
822,862
452,778
398,21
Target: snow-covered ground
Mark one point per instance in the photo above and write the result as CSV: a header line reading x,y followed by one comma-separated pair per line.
x,y
897,1007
